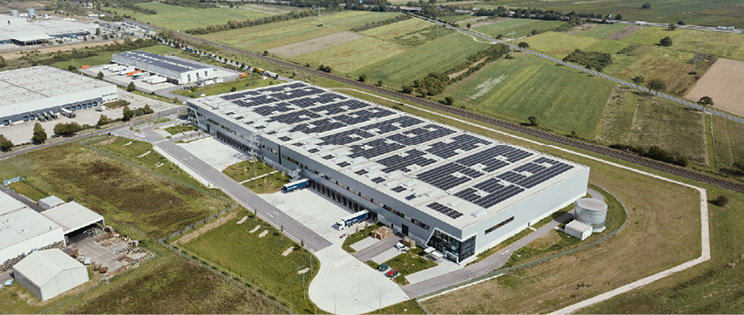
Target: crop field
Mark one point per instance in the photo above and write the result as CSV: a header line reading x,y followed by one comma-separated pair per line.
x,y
562,99
259,260
183,18
561,44
634,118
393,30
163,285
267,36
725,45
346,58
602,30
311,45
728,142
521,27
723,83
139,202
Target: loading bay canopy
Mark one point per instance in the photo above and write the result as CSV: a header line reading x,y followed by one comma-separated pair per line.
x,y
73,216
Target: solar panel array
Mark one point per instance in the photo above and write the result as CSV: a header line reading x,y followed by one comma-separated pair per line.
x,y
383,145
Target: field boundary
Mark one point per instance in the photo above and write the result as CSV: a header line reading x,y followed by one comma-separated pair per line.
x,y
705,232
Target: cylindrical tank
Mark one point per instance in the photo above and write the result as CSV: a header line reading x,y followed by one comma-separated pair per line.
x,y
31,12
592,212
13,12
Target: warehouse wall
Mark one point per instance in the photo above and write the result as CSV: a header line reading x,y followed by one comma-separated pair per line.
x,y
26,246
100,95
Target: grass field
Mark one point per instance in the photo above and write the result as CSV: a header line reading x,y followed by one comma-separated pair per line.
x,y
561,99
268,184
726,45
346,58
521,27
26,189
247,169
602,30
405,307
140,203
182,18
267,36
358,236
561,44
165,284
259,260
634,118
393,30
728,143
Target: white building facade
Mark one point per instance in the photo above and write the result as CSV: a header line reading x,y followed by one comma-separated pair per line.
x,y
176,70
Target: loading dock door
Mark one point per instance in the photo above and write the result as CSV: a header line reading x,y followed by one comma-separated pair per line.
x,y
405,230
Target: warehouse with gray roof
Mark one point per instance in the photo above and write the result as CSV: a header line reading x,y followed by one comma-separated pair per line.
x,y
28,93
444,187
175,70
22,31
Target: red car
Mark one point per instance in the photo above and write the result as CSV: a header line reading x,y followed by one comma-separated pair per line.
x,y
391,273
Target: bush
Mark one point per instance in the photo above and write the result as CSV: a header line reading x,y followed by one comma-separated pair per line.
x,y
589,59
666,41
67,128
654,152
363,78
5,144
406,89
722,201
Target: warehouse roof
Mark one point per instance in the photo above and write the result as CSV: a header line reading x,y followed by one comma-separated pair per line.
x,y
72,216
449,173
51,201
38,83
8,203
167,62
41,266
23,224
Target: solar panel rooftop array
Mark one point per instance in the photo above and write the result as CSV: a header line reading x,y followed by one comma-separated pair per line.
x,y
430,166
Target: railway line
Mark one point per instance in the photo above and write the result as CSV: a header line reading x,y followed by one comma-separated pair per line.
x,y
619,154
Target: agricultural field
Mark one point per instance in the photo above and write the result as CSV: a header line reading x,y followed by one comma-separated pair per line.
x,y
562,99
722,82
360,53
602,30
561,44
635,118
183,18
163,285
521,27
393,30
271,271
725,45
138,201
728,144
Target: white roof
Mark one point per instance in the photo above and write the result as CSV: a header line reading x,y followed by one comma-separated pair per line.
x,y
577,225
23,224
8,203
72,216
41,266
51,200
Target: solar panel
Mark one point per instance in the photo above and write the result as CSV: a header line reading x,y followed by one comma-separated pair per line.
x,y
404,160
461,142
421,134
452,213
444,176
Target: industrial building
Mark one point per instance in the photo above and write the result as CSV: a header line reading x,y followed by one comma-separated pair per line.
x,y
22,229
49,273
455,191
22,31
30,92
73,217
175,70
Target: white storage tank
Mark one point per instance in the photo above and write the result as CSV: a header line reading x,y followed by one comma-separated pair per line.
x,y
14,13
592,212
31,12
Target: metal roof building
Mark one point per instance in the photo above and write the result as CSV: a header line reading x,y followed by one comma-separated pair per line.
x,y
72,216
48,273
50,202
176,70
21,31
444,187
28,92
23,229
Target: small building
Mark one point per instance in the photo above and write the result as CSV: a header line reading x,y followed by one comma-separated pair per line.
x,y
175,70
73,217
578,229
49,273
50,202
23,229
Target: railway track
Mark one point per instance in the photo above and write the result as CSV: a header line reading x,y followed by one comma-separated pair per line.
x,y
619,154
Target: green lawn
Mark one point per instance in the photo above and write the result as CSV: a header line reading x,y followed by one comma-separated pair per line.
x,y
358,236
726,45
179,129
182,18
249,82
165,284
268,184
521,27
247,169
25,188
561,44
562,99
410,262
258,260
639,119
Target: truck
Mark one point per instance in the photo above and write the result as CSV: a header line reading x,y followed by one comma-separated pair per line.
x,y
351,219
66,112
302,183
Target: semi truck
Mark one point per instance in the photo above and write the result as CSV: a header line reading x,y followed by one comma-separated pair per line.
x,y
351,219
302,183
66,112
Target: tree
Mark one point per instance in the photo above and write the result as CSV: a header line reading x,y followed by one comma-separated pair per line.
x,y
406,89
5,144
233,89
705,101
266,53
680,22
363,78
67,128
534,32
722,200
666,41
103,120
657,85
3,63
131,87
638,79
449,100
646,6
523,45
671,27
100,75
72,68
469,25
739,165
533,121
127,114
39,134
379,82
98,31
619,17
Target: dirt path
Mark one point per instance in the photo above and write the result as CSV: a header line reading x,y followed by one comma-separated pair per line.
x,y
456,74
48,49
206,228
623,33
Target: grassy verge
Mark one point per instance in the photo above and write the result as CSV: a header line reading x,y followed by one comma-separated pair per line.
x,y
247,169
259,261
358,236
408,263
268,184
500,246
405,307
28,190
179,129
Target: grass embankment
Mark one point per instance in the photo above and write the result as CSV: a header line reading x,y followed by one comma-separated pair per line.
x,y
165,284
251,82
259,260
27,189
358,236
408,263
247,169
183,18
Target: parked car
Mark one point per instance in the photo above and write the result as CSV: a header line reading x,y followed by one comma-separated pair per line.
x,y
392,273
383,267
399,246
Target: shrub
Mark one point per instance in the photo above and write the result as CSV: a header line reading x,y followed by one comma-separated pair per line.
x,y
722,201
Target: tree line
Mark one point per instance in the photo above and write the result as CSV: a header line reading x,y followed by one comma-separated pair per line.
x,y
590,59
372,25
232,24
654,152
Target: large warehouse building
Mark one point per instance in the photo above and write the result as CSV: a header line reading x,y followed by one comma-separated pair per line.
x,y
23,229
21,31
28,92
176,70
458,192
49,273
